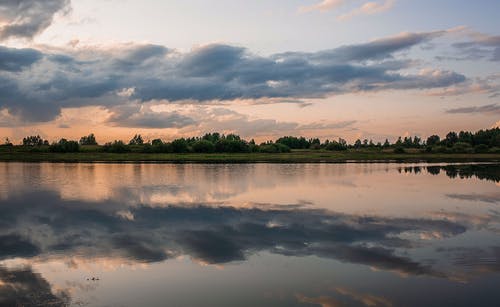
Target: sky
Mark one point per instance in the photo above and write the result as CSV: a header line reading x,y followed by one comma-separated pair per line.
x,y
261,69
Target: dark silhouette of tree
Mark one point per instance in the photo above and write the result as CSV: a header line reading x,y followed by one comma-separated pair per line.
x,y
157,142
203,146
451,138
34,140
116,147
399,142
433,140
294,142
416,141
7,142
136,140
180,146
482,141
336,146
212,137
88,140
65,146
273,148
231,144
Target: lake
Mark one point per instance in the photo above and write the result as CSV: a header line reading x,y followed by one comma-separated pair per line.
x,y
352,234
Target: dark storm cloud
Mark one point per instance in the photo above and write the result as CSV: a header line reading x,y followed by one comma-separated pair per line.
x,y
213,234
27,18
483,260
23,287
379,49
13,245
209,74
134,116
489,108
17,59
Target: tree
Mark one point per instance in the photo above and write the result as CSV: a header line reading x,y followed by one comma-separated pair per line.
x,y
274,148
212,137
407,142
433,140
34,141
386,143
157,142
7,142
451,138
136,140
336,146
65,146
203,146
416,141
357,144
399,142
116,147
88,140
180,145
294,142
232,145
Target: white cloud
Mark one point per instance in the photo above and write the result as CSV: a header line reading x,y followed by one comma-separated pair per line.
x,y
323,6
369,8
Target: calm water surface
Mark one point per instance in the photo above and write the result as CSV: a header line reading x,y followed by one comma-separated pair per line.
x,y
249,235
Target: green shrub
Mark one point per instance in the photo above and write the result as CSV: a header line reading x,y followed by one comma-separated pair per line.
x,y
203,146
461,147
274,148
399,150
231,145
335,146
116,147
481,148
65,146
180,146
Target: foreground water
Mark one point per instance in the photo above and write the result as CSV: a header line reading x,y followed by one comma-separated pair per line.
x,y
249,235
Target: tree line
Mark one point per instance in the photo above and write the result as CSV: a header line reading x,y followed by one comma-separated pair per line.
x,y
463,142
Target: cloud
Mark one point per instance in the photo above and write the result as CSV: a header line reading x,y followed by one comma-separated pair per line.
x,y
379,49
478,46
492,199
36,85
23,287
485,109
365,299
476,260
323,301
227,121
369,8
15,60
356,297
322,6
213,234
489,85
137,116
13,245
27,18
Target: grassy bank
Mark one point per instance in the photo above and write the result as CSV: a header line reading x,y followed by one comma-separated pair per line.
x,y
299,156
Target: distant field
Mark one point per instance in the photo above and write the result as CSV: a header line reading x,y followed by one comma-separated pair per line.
x,y
296,156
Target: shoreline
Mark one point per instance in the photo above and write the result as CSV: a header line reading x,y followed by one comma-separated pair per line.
x,y
241,158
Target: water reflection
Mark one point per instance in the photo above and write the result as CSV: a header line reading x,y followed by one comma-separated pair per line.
x,y
63,242
484,171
